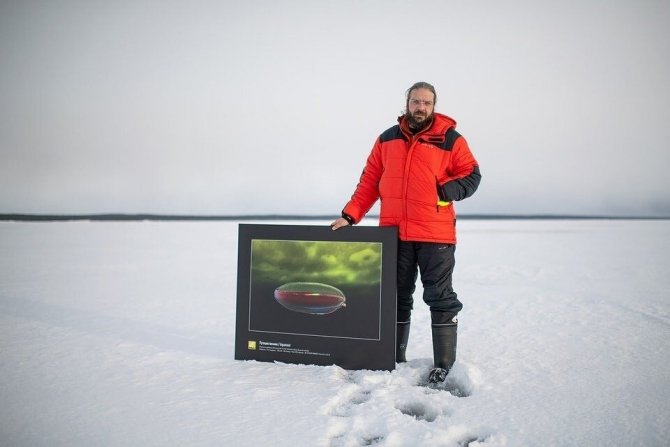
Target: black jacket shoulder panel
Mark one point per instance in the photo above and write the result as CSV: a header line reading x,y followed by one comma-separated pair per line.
x,y
392,133
450,138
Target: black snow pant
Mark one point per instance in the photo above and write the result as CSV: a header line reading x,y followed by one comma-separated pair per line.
x,y
435,262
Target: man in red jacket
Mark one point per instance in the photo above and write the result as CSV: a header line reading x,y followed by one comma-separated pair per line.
x,y
417,168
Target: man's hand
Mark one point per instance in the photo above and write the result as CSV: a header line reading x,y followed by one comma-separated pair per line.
x,y
339,223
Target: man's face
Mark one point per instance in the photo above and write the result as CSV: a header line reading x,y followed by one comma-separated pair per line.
x,y
420,106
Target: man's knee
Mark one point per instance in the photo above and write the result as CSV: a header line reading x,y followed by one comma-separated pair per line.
x,y
438,295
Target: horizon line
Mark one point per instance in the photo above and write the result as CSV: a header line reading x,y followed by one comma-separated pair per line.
x,y
30,217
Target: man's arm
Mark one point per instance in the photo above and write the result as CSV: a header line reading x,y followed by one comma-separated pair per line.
x,y
366,193
464,176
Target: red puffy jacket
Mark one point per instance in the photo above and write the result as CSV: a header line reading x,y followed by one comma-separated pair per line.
x,y
414,175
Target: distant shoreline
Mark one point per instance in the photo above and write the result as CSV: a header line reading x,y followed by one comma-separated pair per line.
x,y
18,217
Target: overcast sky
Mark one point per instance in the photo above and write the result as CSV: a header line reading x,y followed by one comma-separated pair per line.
x,y
229,107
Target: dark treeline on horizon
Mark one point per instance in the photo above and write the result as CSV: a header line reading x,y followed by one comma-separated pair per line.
x,y
18,217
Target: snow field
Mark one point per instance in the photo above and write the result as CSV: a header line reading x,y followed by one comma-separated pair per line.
x,y
121,334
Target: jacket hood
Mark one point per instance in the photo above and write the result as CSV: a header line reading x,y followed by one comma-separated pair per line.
x,y
441,123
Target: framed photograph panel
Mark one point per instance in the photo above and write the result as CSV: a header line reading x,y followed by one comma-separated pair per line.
x,y
311,295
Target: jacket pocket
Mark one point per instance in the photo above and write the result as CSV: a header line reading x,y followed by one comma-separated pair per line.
x,y
441,198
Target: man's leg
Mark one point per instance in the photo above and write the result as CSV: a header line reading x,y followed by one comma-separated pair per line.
x,y
436,262
407,273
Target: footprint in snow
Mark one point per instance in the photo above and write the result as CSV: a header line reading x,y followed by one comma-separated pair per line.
x,y
420,410
349,396
375,407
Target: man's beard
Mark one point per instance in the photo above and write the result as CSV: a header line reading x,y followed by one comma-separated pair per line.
x,y
419,122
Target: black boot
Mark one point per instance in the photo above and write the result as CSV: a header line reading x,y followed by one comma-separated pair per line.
x,y
444,350
402,335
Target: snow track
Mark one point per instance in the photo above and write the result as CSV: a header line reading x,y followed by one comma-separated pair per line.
x,y
398,408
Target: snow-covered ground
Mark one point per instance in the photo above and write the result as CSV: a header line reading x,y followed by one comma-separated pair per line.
x,y
121,334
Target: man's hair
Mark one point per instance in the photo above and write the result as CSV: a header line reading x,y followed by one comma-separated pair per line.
x,y
425,85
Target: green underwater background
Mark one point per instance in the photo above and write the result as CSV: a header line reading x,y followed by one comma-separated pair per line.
x,y
336,263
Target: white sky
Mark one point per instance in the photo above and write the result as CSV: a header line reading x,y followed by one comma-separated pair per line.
x,y
229,107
